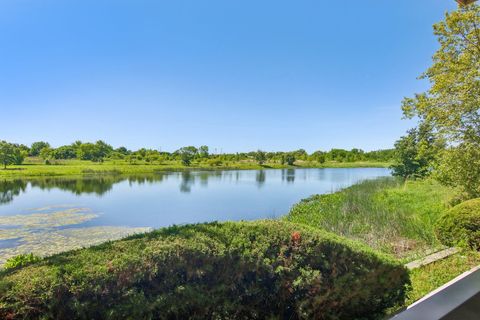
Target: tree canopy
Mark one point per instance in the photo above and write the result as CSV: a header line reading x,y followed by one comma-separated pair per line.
x,y
452,103
11,154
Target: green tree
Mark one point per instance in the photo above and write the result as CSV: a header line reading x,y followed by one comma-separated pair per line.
x,y
203,152
93,151
187,154
318,156
122,150
19,155
300,154
103,149
64,152
6,153
47,154
460,166
416,153
452,104
11,154
36,147
290,159
260,157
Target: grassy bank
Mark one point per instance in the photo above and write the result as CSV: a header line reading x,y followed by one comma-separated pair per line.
x,y
387,214
35,167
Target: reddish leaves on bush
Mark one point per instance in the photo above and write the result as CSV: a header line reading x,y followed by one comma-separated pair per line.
x,y
296,237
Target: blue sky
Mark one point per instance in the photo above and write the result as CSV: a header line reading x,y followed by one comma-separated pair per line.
x,y
236,75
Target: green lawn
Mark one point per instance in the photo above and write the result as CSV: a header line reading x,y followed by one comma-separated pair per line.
x,y
387,214
432,276
36,167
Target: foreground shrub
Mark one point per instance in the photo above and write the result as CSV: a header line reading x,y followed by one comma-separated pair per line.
x,y
246,270
20,261
460,226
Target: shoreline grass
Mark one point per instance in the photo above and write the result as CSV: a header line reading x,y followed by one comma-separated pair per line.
x,y
387,214
32,167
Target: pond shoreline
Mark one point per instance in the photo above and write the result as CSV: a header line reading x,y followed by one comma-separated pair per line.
x,y
110,168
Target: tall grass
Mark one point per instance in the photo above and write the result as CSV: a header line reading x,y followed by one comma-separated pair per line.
x,y
388,214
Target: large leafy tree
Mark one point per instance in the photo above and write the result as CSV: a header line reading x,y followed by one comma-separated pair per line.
x,y
187,154
6,153
10,154
452,103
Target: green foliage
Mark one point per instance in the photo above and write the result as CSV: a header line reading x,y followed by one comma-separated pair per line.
x,y
247,270
11,154
93,151
290,159
432,276
100,152
452,104
36,147
46,154
318,156
260,157
386,213
215,162
460,226
203,152
187,154
461,167
20,261
416,153
65,152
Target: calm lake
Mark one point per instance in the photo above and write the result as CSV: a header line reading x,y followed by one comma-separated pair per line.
x,y
48,215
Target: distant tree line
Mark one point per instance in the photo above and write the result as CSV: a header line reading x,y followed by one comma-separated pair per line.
x,y
100,151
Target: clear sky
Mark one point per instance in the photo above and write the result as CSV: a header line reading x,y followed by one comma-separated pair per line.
x,y
238,75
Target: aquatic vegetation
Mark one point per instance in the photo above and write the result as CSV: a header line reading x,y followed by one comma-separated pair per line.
x,y
46,231
387,214
48,217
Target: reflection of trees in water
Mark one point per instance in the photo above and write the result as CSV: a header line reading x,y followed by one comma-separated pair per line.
x,y
100,185
260,178
187,181
10,189
288,175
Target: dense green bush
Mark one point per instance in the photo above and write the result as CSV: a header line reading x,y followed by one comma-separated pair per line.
x,y
460,226
246,270
20,261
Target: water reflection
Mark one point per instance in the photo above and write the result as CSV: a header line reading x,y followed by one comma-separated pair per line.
x,y
166,198
10,189
185,180
288,175
260,178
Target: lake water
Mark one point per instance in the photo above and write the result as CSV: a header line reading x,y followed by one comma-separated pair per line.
x,y
48,215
